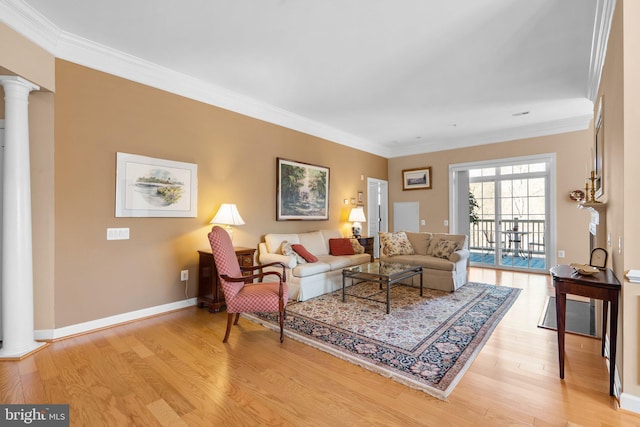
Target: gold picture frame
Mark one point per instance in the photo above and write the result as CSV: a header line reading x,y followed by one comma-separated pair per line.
x,y
416,179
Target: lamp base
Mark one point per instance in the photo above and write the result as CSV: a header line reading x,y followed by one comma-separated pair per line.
x,y
229,230
356,231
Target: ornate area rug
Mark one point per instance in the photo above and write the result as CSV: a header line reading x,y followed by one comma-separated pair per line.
x,y
425,342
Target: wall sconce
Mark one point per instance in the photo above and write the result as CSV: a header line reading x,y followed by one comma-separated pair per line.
x,y
228,215
356,216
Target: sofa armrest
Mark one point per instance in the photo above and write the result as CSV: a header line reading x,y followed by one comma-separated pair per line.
x,y
459,255
288,260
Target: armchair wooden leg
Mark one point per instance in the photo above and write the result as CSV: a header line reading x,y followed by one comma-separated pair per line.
x,y
282,313
235,322
229,319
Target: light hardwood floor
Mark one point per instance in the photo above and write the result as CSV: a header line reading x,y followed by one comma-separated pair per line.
x,y
173,370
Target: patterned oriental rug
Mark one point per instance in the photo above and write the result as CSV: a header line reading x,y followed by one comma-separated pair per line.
x,y
426,343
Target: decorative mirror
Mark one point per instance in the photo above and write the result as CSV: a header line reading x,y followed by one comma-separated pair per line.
x,y
598,158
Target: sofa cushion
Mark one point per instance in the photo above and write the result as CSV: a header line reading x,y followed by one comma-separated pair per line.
x,y
444,248
427,262
286,249
304,253
357,247
460,239
314,242
395,244
419,241
341,247
274,241
309,269
336,262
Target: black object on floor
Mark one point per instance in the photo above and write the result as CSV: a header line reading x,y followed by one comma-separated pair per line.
x,y
581,317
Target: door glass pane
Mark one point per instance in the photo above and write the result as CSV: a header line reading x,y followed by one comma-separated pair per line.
x,y
508,220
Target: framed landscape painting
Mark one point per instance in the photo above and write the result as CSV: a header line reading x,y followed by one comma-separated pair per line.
x,y
302,191
148,187
416,179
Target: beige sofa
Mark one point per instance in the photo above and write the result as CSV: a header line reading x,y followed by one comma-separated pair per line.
x,y
444,257
309,280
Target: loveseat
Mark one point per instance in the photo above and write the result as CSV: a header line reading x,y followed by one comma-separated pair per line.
x,y
310,279
443,257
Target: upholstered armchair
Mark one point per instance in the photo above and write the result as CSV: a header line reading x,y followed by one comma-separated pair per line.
x,y
243,297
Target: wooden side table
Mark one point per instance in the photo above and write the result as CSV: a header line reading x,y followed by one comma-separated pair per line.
x,y
367,242
603,286
209,288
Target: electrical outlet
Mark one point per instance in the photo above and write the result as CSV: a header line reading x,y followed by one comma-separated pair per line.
x,y
423,222
446,222
184,275
560,254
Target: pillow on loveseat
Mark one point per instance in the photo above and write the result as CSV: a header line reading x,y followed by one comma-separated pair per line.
x,y
357,247
340,247
420,241
444,249
395,244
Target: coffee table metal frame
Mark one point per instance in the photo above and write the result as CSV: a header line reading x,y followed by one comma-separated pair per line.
x,y
375,272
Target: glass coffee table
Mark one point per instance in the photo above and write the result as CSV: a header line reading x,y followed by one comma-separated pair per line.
x,y
385,273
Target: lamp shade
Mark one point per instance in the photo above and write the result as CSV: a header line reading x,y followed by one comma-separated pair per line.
x,y
357,215
228,215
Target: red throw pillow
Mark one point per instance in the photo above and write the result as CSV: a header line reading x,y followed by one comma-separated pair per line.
x,y
300,250
341,247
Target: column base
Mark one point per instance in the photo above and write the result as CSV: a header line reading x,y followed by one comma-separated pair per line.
x,y
22,353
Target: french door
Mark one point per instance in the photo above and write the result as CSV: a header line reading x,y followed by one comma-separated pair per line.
x,y
505,208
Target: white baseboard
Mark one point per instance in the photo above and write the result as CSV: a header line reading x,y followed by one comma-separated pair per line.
x,y
80,328
630,402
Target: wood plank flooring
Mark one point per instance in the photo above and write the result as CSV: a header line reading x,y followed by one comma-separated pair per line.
x,y
173,370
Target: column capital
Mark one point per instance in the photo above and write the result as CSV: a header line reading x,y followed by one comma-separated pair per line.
x,y
18,80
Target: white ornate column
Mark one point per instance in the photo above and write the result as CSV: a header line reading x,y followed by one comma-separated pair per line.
x,y
17,262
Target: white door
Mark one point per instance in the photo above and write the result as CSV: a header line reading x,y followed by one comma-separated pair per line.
x,y
377,210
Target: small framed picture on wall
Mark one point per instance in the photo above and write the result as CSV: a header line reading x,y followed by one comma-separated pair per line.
x,y
416,179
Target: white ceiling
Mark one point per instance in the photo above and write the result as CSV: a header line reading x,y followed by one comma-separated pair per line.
x,y
392,77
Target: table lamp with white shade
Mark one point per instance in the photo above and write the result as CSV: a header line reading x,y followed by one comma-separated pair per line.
x,y
356,216
228,215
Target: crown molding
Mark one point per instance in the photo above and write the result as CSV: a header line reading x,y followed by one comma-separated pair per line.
x,y
601,30
571,124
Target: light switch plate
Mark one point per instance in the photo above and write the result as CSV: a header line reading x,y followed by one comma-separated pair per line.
x,y
117,233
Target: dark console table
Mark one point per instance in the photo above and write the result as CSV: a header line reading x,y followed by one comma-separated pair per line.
x,y
603,286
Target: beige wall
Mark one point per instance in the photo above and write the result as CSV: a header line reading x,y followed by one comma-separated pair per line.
x,y
626,142
572,154
611,92
98,115
620,92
